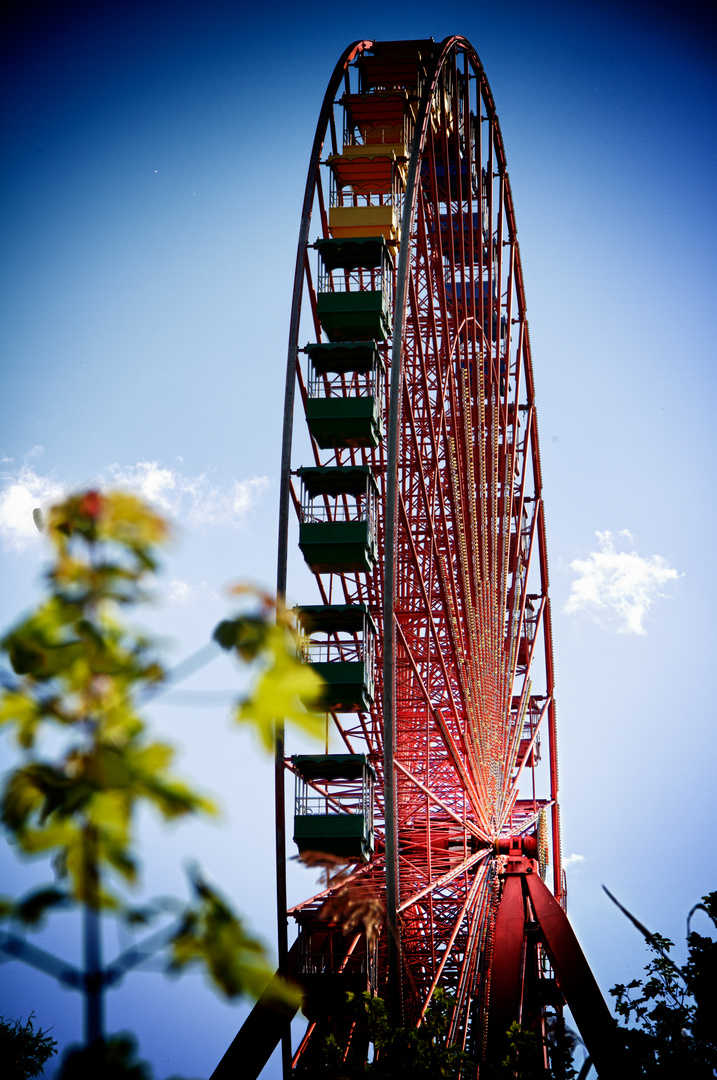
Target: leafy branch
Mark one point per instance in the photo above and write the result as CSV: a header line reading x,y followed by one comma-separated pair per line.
x,y
267,639
670,1014
78,675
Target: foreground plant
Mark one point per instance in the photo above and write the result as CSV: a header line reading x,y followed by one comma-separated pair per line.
x,y
671,1032
265,637
408,1052
89,762
23,1051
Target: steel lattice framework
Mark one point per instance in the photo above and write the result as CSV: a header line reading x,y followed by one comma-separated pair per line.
x,y
461,732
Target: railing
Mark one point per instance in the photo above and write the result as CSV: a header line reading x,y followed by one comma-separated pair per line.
x,y
328,652
354,508
354,136
326,953
336,797
377,279
310,803
338,650
348,384
344,195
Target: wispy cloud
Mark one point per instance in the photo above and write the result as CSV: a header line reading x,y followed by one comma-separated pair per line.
x,y
190,500
20,493
572,860
178,592
619,584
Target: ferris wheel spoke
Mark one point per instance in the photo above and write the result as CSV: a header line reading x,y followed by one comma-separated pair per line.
x,y
438,641
465,912
434,798
453,755
443,880
476,961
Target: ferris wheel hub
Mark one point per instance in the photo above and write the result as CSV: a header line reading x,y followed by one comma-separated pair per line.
x,y
518,846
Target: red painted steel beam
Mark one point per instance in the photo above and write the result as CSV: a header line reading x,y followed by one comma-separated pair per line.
x,y
524,890
425,595
507,967
468,787
434,798
468,902
575,979
445,879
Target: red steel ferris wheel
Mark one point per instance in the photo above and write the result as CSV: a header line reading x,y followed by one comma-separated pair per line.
x,y
411,463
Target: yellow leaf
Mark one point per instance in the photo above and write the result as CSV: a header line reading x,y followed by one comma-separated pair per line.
x,y
277,695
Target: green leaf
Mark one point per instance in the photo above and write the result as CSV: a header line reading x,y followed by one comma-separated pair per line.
x,y
212,935
24,711
7,907
246,633
22,797
33,908
280,691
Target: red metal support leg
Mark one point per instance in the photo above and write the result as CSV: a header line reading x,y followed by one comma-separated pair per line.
x,y
575,979
528,913
508,950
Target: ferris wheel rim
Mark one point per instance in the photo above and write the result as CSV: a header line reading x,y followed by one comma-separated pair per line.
x,y
347,56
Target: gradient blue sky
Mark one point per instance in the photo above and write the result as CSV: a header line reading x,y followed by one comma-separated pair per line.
x,y
155,159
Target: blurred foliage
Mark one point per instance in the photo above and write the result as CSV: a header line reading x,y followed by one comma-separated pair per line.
x,y
88,761
349,908
267,639
213,935
113,1059
23,1051
80,671
671,1013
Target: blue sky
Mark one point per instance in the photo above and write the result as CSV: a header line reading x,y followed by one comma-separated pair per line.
x,y
155,161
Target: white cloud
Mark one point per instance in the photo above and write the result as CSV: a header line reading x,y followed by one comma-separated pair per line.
x,y
620,584
246,493
572,860
181,592
148,479
20,494
189,500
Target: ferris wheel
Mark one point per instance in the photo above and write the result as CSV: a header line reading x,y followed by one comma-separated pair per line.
x,y
411,485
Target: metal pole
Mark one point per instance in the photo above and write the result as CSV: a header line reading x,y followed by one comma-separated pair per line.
x,y
93,982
